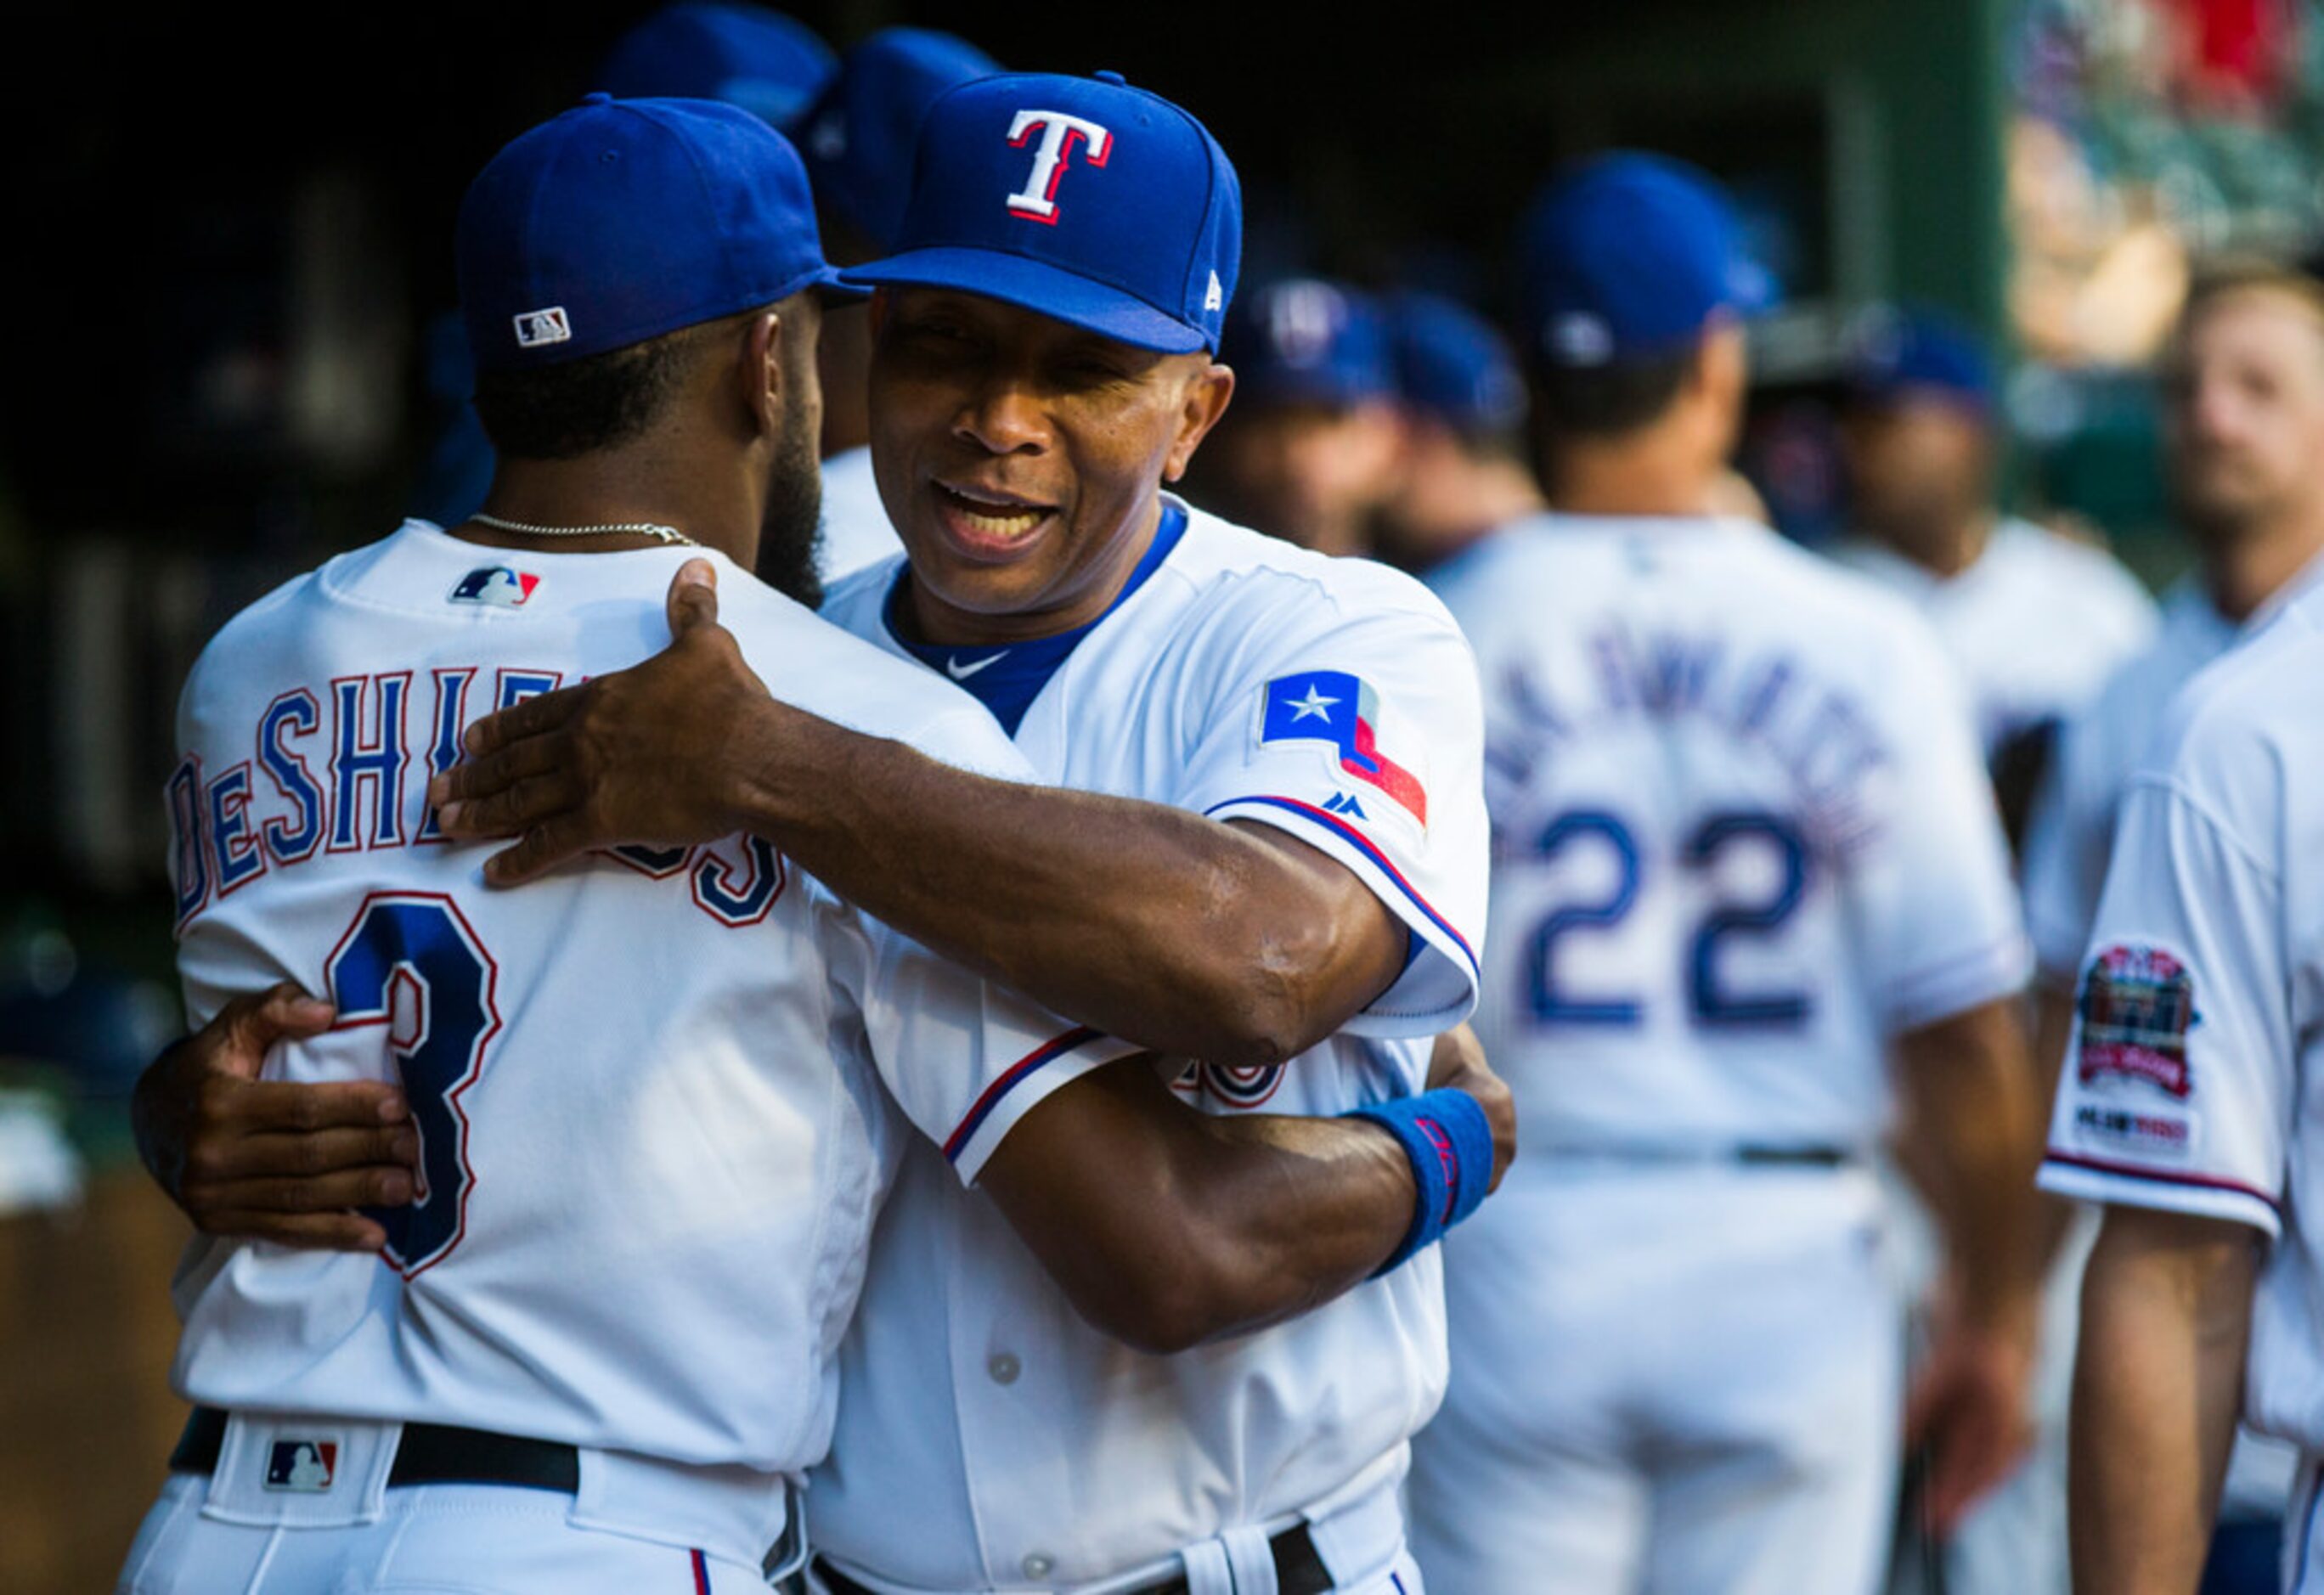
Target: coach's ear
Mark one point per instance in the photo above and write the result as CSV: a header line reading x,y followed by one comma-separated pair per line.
x,y
1209,387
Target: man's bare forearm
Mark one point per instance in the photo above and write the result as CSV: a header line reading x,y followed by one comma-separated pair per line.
x,y
1969,1082
1167,1227
2054,1027
2158,1383
1170,930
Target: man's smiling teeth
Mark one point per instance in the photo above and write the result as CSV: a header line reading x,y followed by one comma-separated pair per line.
x,y
987,518
1016,525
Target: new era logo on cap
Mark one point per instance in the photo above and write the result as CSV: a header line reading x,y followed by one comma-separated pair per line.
x,y
303,1465
1578,338
536,328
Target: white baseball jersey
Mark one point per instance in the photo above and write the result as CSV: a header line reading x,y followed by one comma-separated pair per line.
x,y
2192,1083
856,531
1240,678
2035,626
2071,829
1741,836
648,1088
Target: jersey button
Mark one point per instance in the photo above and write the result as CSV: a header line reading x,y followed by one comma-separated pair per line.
x,y
1037,1566
1004,1369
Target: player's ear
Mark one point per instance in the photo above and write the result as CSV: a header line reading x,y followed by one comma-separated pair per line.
x,y
760,375
1209,388
1722,376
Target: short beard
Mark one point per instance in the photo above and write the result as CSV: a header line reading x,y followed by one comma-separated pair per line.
x,y
790,534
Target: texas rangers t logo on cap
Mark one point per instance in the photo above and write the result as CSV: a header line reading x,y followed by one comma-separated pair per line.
x,y
1037,201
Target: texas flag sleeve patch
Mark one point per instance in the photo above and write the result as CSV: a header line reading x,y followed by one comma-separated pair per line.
x,y
1341,710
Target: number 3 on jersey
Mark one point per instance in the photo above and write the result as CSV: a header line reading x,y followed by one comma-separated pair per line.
x,y
410,961
1710,1001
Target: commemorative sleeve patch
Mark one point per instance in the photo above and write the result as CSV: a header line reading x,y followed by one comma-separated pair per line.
x,y
2137,1005
1342,711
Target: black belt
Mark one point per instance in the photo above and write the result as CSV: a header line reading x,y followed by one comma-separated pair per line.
x,y
428,1453
1298,1570
1750,1157
1796,1156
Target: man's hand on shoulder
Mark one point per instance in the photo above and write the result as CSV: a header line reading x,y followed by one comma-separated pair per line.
x,y
650,754
270,1160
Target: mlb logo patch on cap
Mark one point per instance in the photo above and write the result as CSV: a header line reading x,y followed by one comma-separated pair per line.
x,y
536,328
495,584
304,1465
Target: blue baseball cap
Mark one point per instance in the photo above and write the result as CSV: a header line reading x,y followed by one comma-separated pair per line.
x,y
745,55
1627,256
1306,341
1081,199
1919,351
1449,363
622,220
857,140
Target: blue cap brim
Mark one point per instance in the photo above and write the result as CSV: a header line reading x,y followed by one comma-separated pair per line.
x,y
1037,286
833,286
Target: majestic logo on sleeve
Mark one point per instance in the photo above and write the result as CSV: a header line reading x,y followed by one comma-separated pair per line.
x,y
1037,200
1341,710
495,584
2137,1005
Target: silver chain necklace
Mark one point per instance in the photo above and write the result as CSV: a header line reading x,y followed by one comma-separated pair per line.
x,y
668,534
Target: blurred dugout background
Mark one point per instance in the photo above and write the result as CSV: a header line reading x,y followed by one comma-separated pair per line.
x,y
230,234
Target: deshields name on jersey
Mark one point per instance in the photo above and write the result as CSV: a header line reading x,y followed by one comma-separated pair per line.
x,y
331,770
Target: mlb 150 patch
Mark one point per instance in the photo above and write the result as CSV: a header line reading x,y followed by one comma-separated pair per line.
x,y
2137,1005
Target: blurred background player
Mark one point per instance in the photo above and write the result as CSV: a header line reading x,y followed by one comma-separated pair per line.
x,y
858,141
2190,1112
2243,399
750,57
1460,471
1309,448
2035,621
1745,852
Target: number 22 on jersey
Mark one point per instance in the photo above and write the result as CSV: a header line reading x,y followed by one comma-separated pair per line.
x,y
410,961
1724,924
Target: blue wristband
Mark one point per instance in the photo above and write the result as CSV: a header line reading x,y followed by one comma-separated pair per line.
x,y
1450,1143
